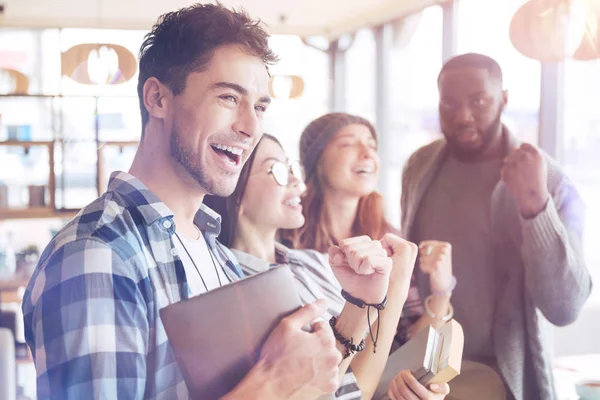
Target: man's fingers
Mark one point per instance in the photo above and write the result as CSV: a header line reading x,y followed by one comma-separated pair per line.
x,y
320,326
512,158
307,314
529,148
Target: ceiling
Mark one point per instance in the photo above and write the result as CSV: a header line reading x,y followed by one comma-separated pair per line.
x,y
329,18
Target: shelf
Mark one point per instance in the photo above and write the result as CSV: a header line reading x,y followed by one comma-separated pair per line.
x,y
51,96
28,143
35,212
13,283
36,96
57,143
120,143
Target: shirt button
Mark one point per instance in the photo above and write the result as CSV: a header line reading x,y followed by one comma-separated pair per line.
x,y
174,252
167,224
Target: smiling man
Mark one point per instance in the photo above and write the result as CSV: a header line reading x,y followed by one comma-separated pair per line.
x,y
515,222
92,307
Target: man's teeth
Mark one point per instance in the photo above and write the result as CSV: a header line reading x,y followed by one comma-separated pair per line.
x,y
231,149
293,202
363,170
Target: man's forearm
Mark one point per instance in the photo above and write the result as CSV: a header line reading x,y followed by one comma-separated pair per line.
x,y
552,249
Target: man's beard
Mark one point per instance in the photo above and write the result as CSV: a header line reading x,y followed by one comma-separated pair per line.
x,y
487,139
188,159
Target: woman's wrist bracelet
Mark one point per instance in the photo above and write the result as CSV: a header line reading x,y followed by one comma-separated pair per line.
x,y
351,348
447,291
431,314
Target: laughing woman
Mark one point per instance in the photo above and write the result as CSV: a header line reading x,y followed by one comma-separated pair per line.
x,y
266,200
339,154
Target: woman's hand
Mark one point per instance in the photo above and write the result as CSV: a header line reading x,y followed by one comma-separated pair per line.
x,y
362,267
435,259
406,387
404,255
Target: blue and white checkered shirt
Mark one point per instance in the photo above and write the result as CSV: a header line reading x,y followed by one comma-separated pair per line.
x,y
92,306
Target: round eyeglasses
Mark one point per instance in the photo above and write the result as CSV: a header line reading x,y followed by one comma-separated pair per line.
x,y
281,172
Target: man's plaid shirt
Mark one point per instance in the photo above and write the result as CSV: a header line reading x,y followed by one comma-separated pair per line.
x,y
91,308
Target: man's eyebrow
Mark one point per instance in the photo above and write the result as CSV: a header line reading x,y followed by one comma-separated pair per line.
x,y
230,85
240,89
479,93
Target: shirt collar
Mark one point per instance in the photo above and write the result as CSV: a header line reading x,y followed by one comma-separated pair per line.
x,y
208,220
153,209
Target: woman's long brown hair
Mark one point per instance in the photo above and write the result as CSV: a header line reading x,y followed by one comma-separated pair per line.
x,y
316,233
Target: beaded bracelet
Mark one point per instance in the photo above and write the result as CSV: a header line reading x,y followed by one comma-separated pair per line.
x,y
351,348
444,318
447,291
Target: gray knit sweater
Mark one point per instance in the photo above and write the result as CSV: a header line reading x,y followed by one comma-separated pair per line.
x,y
546,278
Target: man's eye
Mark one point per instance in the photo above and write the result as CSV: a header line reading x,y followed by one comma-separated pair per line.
x,y
481,102
446,104
229,97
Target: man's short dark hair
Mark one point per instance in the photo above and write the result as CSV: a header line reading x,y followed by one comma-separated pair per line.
x,y
184,41
473,60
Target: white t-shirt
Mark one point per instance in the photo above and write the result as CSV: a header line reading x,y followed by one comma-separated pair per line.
x,y
198,250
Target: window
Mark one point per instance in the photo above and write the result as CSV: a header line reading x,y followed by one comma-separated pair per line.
x,y
360,75
416,60
287,118
484,28
581,149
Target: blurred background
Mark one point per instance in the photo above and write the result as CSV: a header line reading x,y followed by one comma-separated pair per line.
x,y
69,112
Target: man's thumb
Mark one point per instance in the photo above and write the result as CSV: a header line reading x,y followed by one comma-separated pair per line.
x,y
307,314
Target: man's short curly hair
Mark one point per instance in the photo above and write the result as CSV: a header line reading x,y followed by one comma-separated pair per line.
x,y
184,41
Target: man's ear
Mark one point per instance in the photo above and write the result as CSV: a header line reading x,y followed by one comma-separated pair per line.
x,y
157,98
504,98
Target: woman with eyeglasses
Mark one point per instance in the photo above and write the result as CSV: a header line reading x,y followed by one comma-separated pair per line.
x,y
266,200
339,154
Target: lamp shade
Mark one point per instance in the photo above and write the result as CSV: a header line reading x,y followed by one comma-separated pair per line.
x,y
13,81
286,86
404,29
99,64
549,30
590,45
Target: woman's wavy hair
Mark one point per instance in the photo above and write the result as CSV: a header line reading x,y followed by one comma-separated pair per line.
x,y
316,233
